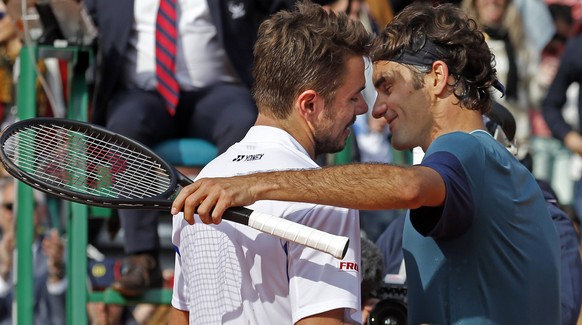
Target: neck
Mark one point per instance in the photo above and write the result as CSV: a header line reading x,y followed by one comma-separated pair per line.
x,y
299,131
453,118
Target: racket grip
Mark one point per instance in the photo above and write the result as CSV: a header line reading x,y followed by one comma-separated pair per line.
x,y
335,245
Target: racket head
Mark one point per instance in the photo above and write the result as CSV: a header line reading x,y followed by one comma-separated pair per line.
x,y
84,163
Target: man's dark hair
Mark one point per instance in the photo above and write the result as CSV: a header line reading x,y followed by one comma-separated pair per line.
x,y
422,34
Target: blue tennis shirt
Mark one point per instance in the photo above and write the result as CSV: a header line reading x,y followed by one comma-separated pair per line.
x,y
490,254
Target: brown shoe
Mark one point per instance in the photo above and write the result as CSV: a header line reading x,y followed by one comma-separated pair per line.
x,y
142,272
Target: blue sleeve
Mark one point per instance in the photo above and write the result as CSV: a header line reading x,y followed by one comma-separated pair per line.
x,y
569,72
6,308
455,216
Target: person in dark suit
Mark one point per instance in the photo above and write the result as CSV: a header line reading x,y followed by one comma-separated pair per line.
x,y
213,59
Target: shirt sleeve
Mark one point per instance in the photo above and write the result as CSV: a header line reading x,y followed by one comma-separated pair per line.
x,y
58,287
179,300
455,216
4,288
569,71
318,282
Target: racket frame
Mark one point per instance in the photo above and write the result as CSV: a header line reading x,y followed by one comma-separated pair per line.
x,y
161,202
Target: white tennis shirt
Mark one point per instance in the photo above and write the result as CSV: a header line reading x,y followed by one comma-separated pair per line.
x,y
233,274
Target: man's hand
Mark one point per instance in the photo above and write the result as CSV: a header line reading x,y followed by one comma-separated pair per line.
x,y
210,197
52,247
573,141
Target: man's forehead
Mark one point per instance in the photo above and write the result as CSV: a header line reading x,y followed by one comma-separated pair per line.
x,y
385,70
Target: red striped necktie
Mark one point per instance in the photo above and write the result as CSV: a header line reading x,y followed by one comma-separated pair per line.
x,y
166,35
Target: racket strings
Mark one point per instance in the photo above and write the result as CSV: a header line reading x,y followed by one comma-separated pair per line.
x,y
132,172
87,163
72,174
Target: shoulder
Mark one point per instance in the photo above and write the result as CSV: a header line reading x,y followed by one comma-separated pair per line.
x,y
468,151
457,143
236,162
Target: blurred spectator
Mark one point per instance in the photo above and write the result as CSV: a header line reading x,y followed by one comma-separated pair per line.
x,y
48,259
537,23
569,73
381,11
360,11
551,54
516,59
50,84
10,46
153,314
552,161
109,314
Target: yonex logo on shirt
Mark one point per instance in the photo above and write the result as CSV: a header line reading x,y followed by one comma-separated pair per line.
x,y
249,157
349,266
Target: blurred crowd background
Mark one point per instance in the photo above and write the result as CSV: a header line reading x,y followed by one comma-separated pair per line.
x,y
536,43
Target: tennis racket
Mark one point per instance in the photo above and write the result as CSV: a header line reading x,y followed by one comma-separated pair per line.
x,y
87,164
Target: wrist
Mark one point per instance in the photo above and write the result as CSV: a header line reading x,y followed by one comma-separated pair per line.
x,y
264,187
5,273
57,271
56,278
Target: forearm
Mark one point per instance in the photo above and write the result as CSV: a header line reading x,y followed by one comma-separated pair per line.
x,y
178,317
556,96
4,272
357,186
56,272
552,112
91,7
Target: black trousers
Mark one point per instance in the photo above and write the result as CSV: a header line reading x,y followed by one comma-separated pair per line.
x,y
221,114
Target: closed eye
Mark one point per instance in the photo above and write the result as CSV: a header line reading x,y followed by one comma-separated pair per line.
x,y
384,84
385,88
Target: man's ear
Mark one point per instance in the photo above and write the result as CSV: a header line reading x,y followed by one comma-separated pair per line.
x,y
440,72
310,103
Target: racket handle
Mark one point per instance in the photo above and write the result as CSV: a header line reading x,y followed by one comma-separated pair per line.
x,y
335,245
